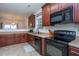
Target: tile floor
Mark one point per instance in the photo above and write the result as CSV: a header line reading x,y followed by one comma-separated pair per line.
x,y
17,50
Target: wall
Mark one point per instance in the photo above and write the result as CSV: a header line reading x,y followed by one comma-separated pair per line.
x,y
7,18
70,27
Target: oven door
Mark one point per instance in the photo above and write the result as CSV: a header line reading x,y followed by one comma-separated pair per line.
x,y
54,48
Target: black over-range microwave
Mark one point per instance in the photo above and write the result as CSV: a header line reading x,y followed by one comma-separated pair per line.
x,y
62,17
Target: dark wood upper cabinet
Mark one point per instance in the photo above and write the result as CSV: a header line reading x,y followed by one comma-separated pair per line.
x,y
62,6
75,12
31,21
54,7
78,13
51,8
46,15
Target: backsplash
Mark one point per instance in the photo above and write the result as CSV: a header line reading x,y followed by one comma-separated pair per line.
x,y
65,27
71,27
46,29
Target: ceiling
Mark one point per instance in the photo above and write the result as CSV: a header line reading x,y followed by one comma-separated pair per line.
x,y
24,9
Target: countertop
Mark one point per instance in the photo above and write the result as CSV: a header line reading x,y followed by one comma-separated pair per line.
x,y
75,43
43,35
17,31
13,31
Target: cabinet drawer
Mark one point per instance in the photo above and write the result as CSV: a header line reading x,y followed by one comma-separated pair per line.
x,y
73,51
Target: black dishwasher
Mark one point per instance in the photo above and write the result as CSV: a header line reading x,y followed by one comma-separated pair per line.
x,y
37,44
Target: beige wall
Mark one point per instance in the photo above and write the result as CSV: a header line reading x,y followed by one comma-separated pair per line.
x,y
6,18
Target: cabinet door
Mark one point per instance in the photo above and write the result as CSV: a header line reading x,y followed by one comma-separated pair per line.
x,y
31,39
3,40
46,15
10,39
54,7
31,21
78,13
62,6
73,51
22,38
17,38
75,13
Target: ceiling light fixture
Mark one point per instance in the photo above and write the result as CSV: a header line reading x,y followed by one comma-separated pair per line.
x,y
28,5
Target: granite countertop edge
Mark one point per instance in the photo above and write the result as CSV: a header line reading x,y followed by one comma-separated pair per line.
x,y
75,43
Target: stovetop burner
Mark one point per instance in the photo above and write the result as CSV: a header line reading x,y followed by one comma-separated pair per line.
x,y
64,35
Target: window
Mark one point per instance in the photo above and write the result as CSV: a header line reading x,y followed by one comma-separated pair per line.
x,y
10,26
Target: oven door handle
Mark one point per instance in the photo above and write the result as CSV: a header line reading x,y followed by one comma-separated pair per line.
x,y
56,43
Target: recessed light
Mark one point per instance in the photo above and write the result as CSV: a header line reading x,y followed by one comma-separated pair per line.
x,y
28,5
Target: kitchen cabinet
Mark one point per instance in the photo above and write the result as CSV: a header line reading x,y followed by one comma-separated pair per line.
x,y
20,38
37,42
23,37
78,12
17,38
9,39
46,15
75,13
31,39
2,40
31,21
73,51
62,6
51,8
54,7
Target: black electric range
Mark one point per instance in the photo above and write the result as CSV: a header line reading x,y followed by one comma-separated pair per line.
x,y
58,46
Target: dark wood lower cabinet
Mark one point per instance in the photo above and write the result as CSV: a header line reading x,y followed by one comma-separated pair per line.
x,y
17,38
9,39
23,38
73,51
2,42
31,40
